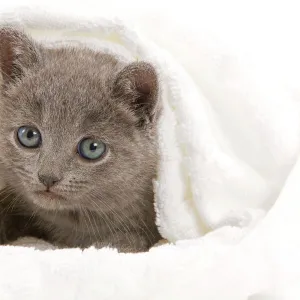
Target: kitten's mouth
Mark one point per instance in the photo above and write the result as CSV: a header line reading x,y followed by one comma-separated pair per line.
x,y
49,199
50,194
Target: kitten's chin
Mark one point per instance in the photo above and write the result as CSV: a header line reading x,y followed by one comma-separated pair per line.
x,y
49,201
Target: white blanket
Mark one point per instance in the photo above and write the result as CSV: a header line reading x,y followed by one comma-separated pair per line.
x,y
228,139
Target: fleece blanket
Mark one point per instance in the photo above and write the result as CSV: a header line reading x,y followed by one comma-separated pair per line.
x,y
229,138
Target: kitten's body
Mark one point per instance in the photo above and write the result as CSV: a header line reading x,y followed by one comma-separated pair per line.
x,y
69,94
131,230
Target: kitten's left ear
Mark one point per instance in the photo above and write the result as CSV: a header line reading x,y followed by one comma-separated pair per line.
x,y
17,53
137,84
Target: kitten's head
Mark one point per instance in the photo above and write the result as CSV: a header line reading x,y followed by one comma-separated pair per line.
x,y
77,128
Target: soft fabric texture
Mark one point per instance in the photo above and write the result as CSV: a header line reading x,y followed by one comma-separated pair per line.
x,y
229,138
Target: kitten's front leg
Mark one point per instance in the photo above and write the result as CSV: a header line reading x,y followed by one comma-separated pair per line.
x,y
3,230
126,243
13,221
5,221
9,228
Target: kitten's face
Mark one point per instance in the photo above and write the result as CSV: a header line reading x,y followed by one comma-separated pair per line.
x,y
69,137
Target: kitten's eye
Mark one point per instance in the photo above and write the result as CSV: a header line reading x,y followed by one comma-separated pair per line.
x,y
91,149
29,137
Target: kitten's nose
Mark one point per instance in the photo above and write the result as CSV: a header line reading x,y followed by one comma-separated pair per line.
x,y
48,180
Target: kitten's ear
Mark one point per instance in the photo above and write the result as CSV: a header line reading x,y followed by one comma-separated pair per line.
x,y
137,84
17,53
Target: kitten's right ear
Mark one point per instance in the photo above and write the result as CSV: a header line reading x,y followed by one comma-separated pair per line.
x,y
17,53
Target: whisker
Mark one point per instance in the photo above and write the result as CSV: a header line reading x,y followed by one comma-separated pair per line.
x,y
105,219
84,218
117,216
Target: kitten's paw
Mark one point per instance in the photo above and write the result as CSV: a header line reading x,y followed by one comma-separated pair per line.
x,y
31,242
125,243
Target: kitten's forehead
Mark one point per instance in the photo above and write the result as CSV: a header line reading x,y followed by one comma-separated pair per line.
x,y
76,77
70,88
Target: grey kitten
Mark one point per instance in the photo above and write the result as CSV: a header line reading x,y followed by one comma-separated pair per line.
x,y
78,141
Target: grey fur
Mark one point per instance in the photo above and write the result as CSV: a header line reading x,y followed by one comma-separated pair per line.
x,y
68,94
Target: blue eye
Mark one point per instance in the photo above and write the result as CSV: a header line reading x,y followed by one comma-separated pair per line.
x,y
91,149
29,137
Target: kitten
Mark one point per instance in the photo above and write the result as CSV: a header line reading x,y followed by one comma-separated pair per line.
x,y
78,141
